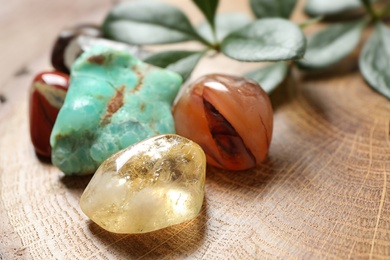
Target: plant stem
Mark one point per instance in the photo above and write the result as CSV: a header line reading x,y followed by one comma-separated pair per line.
x,y
205,42
310,22
214,32
217,47
384,12
213,46
367,4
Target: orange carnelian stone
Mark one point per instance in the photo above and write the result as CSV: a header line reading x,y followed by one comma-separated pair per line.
x,y
230,117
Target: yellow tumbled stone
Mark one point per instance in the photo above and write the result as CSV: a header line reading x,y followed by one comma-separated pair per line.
x,y
153,184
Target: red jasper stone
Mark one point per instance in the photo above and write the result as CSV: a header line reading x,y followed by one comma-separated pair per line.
x,y
230,117
47,96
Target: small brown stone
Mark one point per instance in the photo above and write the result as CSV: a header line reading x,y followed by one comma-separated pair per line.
x,y
63,48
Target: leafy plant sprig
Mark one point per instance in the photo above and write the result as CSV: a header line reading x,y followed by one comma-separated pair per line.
x,y
271,37
337,41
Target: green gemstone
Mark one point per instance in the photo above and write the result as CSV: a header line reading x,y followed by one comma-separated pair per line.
x,y
114,100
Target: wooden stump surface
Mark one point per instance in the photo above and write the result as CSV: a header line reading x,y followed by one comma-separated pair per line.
x,y
323,192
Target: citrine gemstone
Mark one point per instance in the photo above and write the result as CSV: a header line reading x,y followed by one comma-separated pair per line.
x,y
47,95
114,100
153,184
230,117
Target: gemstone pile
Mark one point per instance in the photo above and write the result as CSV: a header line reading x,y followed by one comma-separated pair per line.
x,y
153,184
114,118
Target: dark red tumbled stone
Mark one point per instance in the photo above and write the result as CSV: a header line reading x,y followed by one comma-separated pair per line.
x,y
47,96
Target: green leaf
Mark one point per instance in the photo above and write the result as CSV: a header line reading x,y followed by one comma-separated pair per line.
x,y
270,39
208,8
147,22
181,62
331,45
331,7
225,24
273,8
374,60
269,77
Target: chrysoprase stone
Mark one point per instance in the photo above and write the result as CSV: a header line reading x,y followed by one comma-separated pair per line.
x,y
48,92
114,100
153,184
230,117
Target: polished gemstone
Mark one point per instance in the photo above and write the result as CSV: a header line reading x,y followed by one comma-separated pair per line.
x,y
65,56
230,117
66,49
114,100
46,98
153,184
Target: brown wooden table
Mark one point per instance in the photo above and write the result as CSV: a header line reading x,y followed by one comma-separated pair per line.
x,y
323,192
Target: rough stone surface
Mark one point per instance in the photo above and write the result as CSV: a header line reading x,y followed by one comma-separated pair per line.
x,y
151,185
114,100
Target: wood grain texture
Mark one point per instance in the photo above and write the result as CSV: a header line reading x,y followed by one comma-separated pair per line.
x,y
323,192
